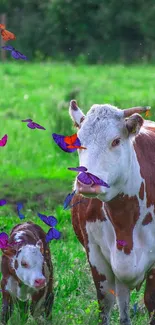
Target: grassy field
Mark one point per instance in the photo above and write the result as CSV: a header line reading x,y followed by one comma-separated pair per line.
x,y
34,170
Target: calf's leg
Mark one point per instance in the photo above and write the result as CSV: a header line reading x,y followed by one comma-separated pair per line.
x,y
7,307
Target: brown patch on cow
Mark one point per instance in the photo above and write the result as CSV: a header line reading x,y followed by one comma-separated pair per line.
x,y
144,145
123,212
98,278
82,119
89,210
147,219
141,192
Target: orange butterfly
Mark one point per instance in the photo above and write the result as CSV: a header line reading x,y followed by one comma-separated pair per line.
x,y
70,140
72,146
113,292
6,35
147,113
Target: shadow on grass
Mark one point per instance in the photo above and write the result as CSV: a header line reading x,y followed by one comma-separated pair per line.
x,y
34,193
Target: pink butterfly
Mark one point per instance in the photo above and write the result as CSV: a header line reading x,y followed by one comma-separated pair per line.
x,y
3,141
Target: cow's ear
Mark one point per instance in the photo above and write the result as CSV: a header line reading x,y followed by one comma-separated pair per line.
x,y
9,251
134,123
39,244
76,114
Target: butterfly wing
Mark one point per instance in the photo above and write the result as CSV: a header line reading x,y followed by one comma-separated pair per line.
x,y
2,26
6,35
84,178
22,56
7,47
53,234
59,140
3,141
38,126
96,180
15,54
67,201
27,120
31,125
78,169
3,240
50,221
70,139
2,202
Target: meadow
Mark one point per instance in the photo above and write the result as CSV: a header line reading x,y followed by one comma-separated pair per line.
x,y
34,170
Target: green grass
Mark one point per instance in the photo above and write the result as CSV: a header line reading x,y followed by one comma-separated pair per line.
x,y
34,170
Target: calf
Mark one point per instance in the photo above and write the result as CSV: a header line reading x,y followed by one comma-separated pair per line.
x,y
27,271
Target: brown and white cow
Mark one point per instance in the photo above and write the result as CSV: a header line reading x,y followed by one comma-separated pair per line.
x,y
27,271
121,151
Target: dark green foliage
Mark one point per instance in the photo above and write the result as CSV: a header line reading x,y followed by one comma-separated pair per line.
x,y
94,31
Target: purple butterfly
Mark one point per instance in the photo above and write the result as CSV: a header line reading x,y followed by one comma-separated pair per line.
x,y
19,207
88,178
68,199
2,202
33,125
4,238
14,53
60,141
52,222
121,242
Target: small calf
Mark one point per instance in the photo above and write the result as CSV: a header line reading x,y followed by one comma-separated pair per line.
x,y
27,271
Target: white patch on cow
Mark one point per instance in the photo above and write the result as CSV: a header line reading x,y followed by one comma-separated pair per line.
x,y
23,293
33,257
19,235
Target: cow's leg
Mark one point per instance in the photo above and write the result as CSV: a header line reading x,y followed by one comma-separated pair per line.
x,y
149,295
123,299
7,307
104,281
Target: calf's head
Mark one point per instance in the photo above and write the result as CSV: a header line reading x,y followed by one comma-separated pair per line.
x,y
108,134
27,262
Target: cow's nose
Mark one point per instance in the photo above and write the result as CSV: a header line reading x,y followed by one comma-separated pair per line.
x,y
90,189
39,283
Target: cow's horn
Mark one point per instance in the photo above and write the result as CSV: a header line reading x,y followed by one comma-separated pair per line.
x,y
73,105
139,109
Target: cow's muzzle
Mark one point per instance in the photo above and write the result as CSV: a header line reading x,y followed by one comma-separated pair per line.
x,y
92,190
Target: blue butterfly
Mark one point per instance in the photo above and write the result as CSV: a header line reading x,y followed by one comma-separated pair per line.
x,y
68,199
19,207
52,222
135,307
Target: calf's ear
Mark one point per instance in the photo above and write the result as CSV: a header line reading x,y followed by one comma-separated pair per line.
x,y
9,252
39,244
134,123
76,114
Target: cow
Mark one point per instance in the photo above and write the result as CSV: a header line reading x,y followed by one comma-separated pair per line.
x,y
27,271
120,151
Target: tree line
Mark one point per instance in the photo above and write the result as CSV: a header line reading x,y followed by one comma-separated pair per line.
x,y
89,31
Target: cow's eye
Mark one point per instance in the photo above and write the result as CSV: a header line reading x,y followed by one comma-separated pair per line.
x,y
24,264
116,142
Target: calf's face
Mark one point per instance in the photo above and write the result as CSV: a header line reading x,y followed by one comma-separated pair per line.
x,y
28,263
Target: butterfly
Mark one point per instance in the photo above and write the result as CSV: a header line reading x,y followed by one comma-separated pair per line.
x,y
19,207
52,222
3,141
6,35
4,238
68,199
121,242
67,143
14,53
88,178
147,113
113,292
2,202
33,125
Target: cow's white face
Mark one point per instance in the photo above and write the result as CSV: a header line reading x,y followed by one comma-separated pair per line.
x,y
109,146
28,265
